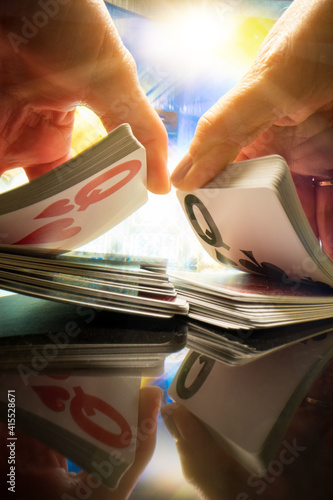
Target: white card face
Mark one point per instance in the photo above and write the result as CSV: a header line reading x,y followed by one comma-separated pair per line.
x,y
82,212
249,230
102,411
229,399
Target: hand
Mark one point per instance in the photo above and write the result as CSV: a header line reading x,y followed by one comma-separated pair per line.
x,y
42,473
304,475
283,105
55,55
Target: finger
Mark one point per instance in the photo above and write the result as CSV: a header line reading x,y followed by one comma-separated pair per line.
x,y
150,132
307,195
149,406
205,465
34,171
38,141
116,97
130,105
324,210
313,157
231,124
277,86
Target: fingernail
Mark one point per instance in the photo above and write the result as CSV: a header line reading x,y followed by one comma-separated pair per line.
x,y
183,167
166,414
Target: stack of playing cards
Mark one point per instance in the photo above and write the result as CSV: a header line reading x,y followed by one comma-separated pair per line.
x,y
140,288
248,408
91,420
250,218
69,206
38,334
238,300
72,365
75,373
273,270
238,347
77,201
261,328
237,317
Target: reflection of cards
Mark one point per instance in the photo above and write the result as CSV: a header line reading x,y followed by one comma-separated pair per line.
x,y
90,420
248,408
238,347
39,334
79,200
250,218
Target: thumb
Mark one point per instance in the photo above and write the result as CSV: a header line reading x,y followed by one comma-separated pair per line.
x,y
116,96
231,124
125,102
204,463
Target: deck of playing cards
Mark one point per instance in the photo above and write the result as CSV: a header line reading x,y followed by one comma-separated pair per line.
x,y
248,408
83,329
140,288
239,347
76,372
238,300
77,201
260,329
69,206
250,218
38,334
90,420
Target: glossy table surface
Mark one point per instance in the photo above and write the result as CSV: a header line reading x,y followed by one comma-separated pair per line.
x,y
52,418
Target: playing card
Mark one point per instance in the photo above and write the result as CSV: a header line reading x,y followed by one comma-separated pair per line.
x,y
90,420
79,200
248,408
250,218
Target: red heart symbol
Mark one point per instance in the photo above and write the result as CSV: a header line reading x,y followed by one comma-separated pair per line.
x,y
59,207
52,396
52,232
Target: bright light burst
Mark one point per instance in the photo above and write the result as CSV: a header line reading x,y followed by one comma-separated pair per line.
x,y
191,38
198,33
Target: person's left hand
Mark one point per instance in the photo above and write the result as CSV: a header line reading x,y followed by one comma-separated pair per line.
x,y
42,473
53,59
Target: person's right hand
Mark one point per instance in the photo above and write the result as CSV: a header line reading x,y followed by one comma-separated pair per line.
x,y
283,105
